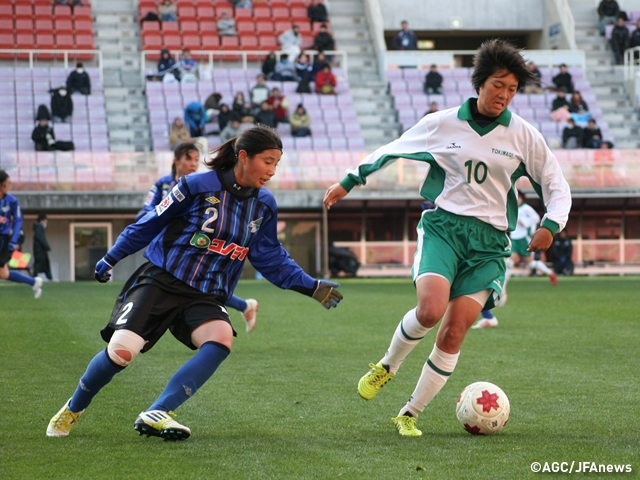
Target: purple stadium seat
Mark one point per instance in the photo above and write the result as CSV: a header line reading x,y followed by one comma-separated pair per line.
x,y
338,143
355,143
287,144
321,143
303,143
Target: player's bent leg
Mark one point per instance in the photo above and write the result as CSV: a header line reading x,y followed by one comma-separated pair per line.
x,y
61,423
124,346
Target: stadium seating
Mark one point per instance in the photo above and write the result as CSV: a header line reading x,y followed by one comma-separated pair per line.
x,y
406,87
334,120
22,90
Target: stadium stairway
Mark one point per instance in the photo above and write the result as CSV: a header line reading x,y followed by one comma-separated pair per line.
x,y
605,78
374,105
117,36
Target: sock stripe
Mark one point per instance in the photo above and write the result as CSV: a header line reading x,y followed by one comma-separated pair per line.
x,y
405,333
437,370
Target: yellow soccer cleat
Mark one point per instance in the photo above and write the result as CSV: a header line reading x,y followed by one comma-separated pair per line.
x,y
373,381
406,426
61,423
157,423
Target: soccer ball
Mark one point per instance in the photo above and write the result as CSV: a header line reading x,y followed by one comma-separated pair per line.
x,y
482,408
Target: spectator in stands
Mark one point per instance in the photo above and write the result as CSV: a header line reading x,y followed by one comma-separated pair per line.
x,y
285,70
560,107
317,12
326,82
563,79
591,135
41,248
300,122
226,25
71,3
259,93
178,133
291,41
242,4
619,40
318,62
269,65
195,117
188,67
167,11
572,135
167,64
433,108
562,251
79,81
608,10
606,145
61,105
280,105
634,41
405,39
578,105
43,113
304,69
232,129
433,81
323,41
224,116
212,107
241,108
266,115
43,136
534,87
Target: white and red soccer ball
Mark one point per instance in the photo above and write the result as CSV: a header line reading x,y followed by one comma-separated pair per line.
x,y
482,408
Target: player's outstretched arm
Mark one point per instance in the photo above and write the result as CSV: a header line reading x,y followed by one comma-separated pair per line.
x,y
541,240
326,294
102,269
334,193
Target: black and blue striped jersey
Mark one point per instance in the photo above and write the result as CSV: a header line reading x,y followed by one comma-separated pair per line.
x,y
156,194
10,217
202,232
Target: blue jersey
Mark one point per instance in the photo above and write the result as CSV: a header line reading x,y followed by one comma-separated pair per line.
x,y
202,233
157,193
10,217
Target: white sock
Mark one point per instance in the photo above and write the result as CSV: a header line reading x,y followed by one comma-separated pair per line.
x,y
406,337
539,265
435,373
508,272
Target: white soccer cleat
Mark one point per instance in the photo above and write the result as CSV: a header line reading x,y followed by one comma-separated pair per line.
x,y
251,314
37,287
503,300
486,323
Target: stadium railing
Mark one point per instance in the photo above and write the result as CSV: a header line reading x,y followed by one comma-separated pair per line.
x,y
241,58
65,56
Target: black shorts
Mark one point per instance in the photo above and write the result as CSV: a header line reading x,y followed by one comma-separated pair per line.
x,y
153,301
5,253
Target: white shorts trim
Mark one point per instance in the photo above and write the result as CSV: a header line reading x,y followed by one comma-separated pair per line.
x,y
430,273
481,297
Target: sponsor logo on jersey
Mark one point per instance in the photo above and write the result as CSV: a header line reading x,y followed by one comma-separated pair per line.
x,y
164,204
452,145
200,240
177,193
212,200
255,225
497,282
502,152
149,198
4,219
236,252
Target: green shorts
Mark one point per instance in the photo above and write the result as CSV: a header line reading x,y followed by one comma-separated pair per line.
x,y
466,251
520,246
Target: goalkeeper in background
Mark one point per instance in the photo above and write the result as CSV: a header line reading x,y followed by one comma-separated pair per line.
x,y
198,238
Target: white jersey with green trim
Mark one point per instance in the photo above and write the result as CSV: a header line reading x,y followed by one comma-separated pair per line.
x,y
528,220
473,169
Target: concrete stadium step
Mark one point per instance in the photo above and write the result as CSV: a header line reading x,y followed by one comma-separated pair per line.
x,y
354,32
340,23
373,119
373,103
369,90
339,7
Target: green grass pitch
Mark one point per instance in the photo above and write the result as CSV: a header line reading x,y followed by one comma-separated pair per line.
x,y
284,404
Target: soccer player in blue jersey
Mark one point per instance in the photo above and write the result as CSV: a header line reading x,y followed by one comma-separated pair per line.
x,y
185,161
10,224
198,238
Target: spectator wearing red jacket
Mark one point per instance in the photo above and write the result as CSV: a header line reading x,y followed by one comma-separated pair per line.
x,y
326,81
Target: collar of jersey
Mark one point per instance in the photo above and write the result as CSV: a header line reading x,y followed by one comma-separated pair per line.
x,y
464,113
229,181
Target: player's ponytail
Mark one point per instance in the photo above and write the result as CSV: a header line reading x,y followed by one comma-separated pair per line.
x,y
254,140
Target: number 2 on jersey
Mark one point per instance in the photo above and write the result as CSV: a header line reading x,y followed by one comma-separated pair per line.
x,y
479,172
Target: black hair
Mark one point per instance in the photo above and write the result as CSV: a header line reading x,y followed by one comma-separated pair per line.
x,y
79,65
42,216
3,176
182,150
495,55
253,140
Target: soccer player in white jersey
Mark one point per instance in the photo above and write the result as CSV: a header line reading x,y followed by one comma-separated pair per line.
x,y
476,152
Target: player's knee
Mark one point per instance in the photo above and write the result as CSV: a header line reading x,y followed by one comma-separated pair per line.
x,y
532,264
124,347
429,315
509,263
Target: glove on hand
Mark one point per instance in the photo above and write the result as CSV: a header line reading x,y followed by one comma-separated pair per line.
x,y
13,247
102,271
327,294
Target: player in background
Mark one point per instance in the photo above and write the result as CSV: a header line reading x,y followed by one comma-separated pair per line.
x,y
198,238
185,161
476,152
10,225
